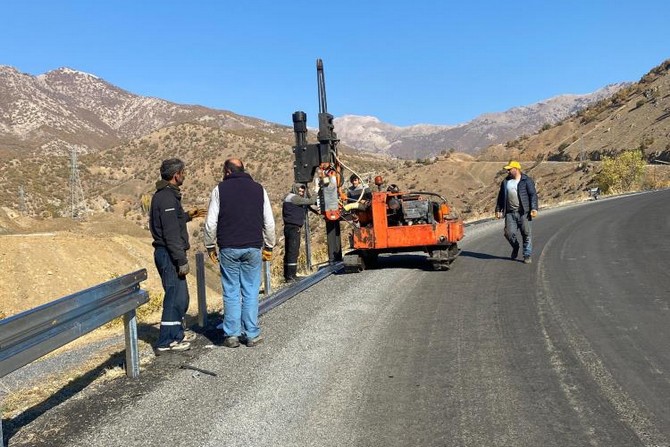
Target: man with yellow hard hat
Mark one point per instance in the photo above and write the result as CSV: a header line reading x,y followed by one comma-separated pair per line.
x,y
517,202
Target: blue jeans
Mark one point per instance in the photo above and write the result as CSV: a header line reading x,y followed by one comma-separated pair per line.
x,y
514,221
175,301
241,280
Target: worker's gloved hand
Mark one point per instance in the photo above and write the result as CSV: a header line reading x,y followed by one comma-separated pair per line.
x,y
267,254
533,213
211,252
183,270
498,214
196,212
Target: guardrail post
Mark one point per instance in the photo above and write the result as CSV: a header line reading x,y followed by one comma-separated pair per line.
x,y
308,242
132,351
202,295
267,270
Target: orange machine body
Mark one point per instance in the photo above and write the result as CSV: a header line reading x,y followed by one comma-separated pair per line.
x,y
405,221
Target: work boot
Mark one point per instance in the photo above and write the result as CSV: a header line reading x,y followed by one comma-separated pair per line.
x,y
231,342
290,273
251,342
515,251
189,336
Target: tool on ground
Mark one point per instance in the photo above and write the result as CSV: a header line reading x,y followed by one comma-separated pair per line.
x,y
200,370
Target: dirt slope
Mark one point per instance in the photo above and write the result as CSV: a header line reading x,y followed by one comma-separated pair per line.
x,y
45,260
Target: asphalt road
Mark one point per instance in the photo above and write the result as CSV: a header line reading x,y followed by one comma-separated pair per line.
x,y
571,350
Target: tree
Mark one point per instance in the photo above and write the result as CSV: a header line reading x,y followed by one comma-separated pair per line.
x,y
621,172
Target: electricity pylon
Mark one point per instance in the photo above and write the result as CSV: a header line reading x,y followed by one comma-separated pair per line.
x,y
76,191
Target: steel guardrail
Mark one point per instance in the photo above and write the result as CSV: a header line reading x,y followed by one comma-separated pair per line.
x,y
289,292
273,299
27,336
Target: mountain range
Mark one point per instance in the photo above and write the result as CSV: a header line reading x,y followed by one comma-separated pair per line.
x,y
65,109
423,140
121,138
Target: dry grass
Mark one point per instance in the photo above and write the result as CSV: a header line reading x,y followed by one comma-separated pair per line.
x,y
15,403
146,313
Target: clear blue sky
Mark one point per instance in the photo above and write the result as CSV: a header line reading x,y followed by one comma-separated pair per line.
x,y
421,61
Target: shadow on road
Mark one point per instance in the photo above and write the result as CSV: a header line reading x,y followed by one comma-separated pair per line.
x,y
474,254
400,261
12,426
159,367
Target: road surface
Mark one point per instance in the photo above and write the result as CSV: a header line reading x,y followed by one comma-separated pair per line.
x,y
571,350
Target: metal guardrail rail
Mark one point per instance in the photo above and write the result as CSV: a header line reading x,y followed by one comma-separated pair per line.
x,y
273,299
27,336
287,293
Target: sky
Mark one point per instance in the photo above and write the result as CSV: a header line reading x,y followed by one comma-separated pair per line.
x,y
413,62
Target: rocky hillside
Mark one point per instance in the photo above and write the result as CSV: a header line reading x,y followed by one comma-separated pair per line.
x,y
113,180
420,141
64,109
123,137
636,117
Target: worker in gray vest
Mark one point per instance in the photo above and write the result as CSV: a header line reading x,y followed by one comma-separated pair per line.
x,y
293,213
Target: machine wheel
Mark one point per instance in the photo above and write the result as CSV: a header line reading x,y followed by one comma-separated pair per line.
x,y
353,262
352,269
369,259
441,266
441,259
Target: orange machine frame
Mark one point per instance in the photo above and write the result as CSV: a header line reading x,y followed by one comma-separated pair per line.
x,y
380,236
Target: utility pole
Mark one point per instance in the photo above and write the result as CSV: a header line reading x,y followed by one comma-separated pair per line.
x,y
76,191
22,201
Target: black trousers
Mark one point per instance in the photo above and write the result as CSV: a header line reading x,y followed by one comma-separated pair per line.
x,y
175,301
291,250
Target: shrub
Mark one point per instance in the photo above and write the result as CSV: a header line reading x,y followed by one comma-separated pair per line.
x,y
620,173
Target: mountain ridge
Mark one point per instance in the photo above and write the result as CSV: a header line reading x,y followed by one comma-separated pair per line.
x,y
115,172
67,109
426,140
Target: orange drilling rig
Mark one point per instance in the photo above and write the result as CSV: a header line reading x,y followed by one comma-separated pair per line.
x,y
388,221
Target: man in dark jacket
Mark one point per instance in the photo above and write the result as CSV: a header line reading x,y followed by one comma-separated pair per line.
x,y
240,222
517,202
293,214
167,222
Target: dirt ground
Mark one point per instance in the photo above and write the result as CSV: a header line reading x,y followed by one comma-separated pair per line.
x,y
42,261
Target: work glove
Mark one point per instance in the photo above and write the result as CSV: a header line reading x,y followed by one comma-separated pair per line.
x,y
267,254
498,214
196,212
183,270
533,213
211,252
